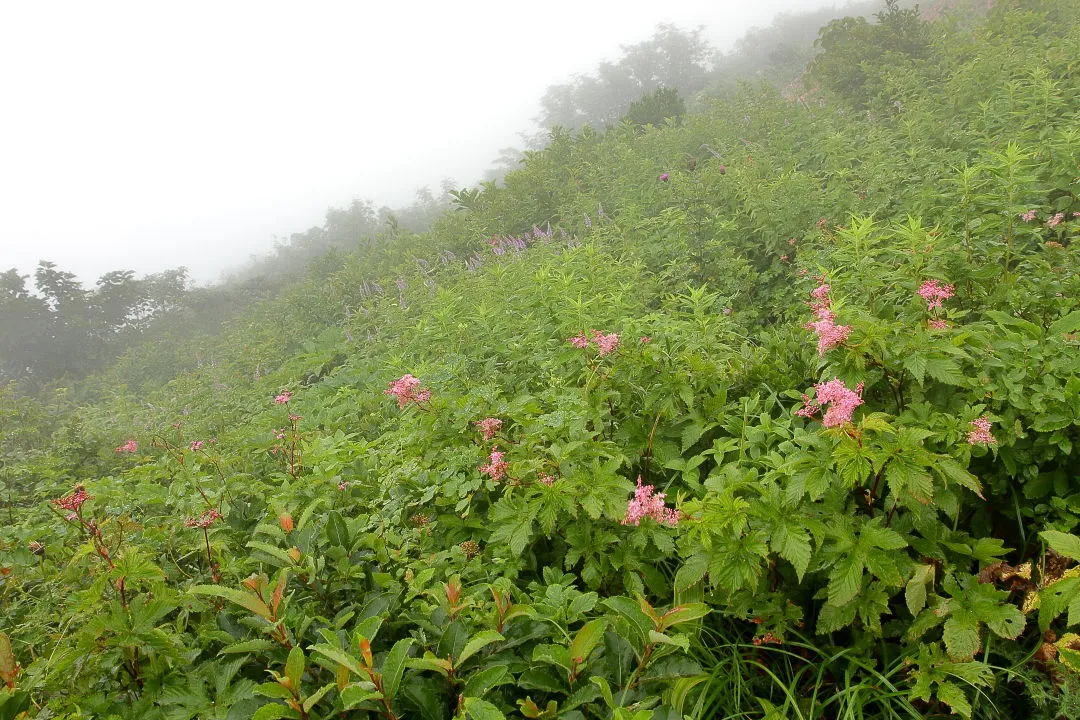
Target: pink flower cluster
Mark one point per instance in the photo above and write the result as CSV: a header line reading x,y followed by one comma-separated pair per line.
x,y
197,445
605,344
938,324
980,433
496,466
129,447
664,177
203,521
407,389
841,401
489,426
1028,216
934,293
829,334
1055,220
284,397
73,501
548,480
646,504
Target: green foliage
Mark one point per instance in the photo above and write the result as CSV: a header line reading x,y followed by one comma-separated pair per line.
x,y
408,485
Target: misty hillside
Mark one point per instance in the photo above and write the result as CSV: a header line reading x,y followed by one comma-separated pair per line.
x,y
754,396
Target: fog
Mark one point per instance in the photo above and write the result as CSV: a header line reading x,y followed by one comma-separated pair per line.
x,y
147,136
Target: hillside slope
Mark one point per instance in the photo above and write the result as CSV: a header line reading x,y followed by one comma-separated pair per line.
x,y
769,412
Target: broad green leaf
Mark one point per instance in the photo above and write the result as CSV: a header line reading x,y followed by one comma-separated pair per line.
x,y
340,657
337,531
250,646
273,711
586,639
1062,543
311,700
683,613
243,599
477,709
475,643
393,667
294,666
553,655
481,682
629,610
1067,324
358,694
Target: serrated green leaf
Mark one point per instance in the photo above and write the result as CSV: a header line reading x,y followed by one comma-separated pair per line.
x,y
961,638
951,694
691,572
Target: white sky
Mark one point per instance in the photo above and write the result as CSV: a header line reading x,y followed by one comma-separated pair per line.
x,y
147,135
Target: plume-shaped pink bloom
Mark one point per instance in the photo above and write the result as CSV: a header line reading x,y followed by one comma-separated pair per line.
x,y
840,401
489,426
980,432
497,466
647,504
934,293
406,389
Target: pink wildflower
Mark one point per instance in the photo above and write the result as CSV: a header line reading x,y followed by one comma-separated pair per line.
x,y
203,521
284,397
280,433
129,447
1056,220
73,501
645,339
645,504
841,401
295,418
342,486
407,389
784,258
933,293
489,426
980,435
197,445
548,480
664,177
496,466
579,341
1028,216
829,334
605,344
938,324
821,292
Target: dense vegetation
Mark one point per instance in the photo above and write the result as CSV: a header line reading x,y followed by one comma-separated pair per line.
x,y
768,411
